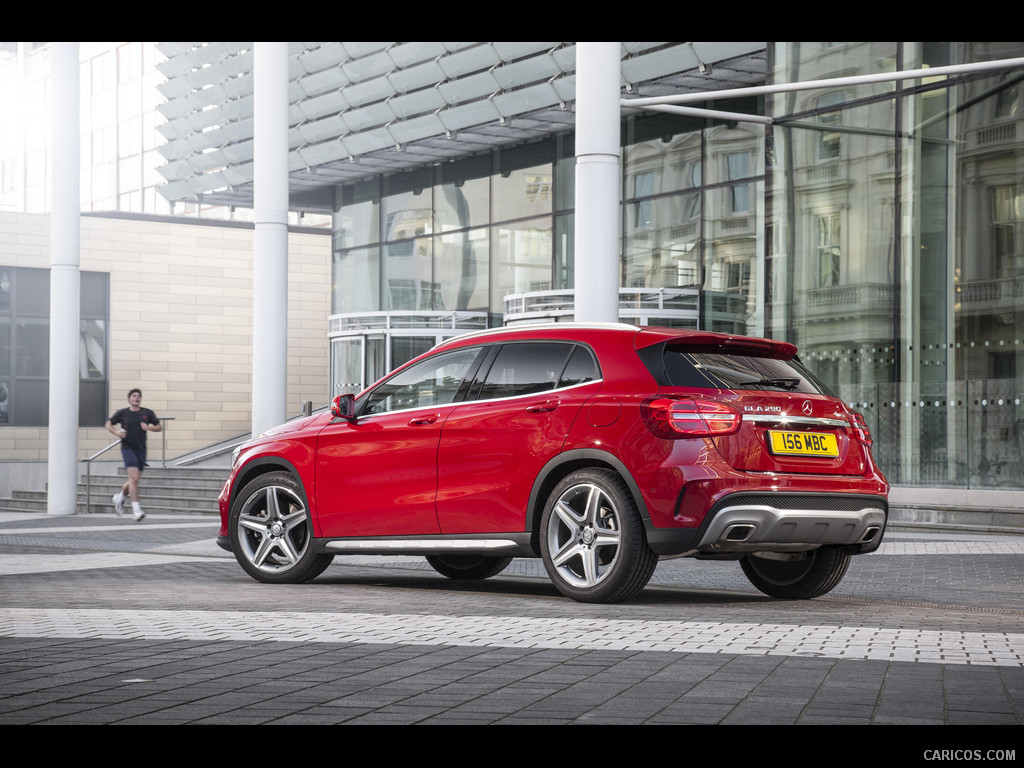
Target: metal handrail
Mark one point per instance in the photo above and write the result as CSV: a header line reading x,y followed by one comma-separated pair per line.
x,y
89,460
88,474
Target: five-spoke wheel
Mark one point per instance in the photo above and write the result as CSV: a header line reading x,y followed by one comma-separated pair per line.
x,y
592,539
271,534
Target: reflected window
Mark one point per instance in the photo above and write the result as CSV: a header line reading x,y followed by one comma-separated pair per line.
x,y
828,141
828,251
1008,230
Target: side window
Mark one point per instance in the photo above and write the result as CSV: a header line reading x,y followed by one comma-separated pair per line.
x,y
581,368
434,381
525,368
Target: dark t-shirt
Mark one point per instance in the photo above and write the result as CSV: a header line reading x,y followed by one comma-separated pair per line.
x,y
131,422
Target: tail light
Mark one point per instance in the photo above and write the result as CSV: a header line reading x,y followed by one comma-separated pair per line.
x,y
861,433
672,418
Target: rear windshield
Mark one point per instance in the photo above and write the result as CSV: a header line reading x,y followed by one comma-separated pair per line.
x,y
745,372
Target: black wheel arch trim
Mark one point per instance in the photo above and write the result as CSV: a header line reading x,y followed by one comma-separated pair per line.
x,y
550,475
264,464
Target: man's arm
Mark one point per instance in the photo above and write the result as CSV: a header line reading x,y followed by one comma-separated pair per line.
x,y
115,431
154,425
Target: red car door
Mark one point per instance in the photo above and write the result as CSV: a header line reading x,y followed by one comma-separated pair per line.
x,y
377,475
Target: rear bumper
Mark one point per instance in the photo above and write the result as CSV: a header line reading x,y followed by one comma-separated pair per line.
x,y
780,522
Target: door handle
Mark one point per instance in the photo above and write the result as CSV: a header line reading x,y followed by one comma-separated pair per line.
x,y
420,421
546,407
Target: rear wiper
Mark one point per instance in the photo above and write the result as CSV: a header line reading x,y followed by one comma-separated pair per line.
x,y
781,382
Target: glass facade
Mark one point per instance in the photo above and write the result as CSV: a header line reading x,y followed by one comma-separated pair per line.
x,y
878,226
895,260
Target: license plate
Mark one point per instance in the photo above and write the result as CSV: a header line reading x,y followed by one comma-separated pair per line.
x,y
804,443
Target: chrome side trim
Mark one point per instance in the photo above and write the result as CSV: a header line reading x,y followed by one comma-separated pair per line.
x,y
417,546
783,420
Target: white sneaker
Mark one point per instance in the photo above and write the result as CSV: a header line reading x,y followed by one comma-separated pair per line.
x,y
137,513
118,504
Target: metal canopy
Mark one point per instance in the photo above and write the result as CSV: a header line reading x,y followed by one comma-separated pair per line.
x,y
362,109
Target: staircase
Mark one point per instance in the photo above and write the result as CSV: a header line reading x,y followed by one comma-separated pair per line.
x,y
163,491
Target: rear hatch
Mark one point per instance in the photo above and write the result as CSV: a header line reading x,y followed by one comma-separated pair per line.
x,y
762,408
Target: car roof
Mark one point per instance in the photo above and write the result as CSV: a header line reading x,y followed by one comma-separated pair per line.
x,y
643,336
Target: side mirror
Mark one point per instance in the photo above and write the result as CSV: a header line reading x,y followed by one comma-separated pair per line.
x,y
344,407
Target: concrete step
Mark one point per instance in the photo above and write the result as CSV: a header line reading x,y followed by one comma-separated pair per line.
x,y
163,491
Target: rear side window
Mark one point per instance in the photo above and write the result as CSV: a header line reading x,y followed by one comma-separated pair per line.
x,y
529,367
740,372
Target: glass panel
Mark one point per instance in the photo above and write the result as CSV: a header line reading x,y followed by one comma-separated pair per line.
x,y
355,278
94,294
357,220
522,260
462,260
564,252
734,230
32,292
31,347
5,346
31,403
664,148
989,263
565,172
408,275
92,403
462,196
5,403
663,164
92,354
406,205
662,248
523,183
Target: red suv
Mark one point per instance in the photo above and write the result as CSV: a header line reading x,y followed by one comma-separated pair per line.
x,y
597,448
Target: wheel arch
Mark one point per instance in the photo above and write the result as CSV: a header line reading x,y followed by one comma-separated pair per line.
x,y
563,465
261,466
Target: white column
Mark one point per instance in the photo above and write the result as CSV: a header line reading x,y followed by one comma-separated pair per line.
x,y
62,446
598,180
270,256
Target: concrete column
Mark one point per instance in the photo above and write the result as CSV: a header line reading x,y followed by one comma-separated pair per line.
x,y
598,181
270,256
62,446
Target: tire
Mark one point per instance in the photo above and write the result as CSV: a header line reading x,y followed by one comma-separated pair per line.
x,y
271,533
818,572
592,540
468,567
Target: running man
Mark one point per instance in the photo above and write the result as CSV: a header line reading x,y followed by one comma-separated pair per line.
x,y
132,423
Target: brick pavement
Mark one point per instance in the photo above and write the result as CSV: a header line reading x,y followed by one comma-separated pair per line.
x,y
107,622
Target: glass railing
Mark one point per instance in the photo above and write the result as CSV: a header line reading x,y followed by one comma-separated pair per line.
x,y
967,434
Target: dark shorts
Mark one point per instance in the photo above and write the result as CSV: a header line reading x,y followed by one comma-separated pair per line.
x,y
133,458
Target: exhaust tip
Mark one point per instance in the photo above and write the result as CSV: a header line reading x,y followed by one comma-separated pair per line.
x,y
739,532
870,534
